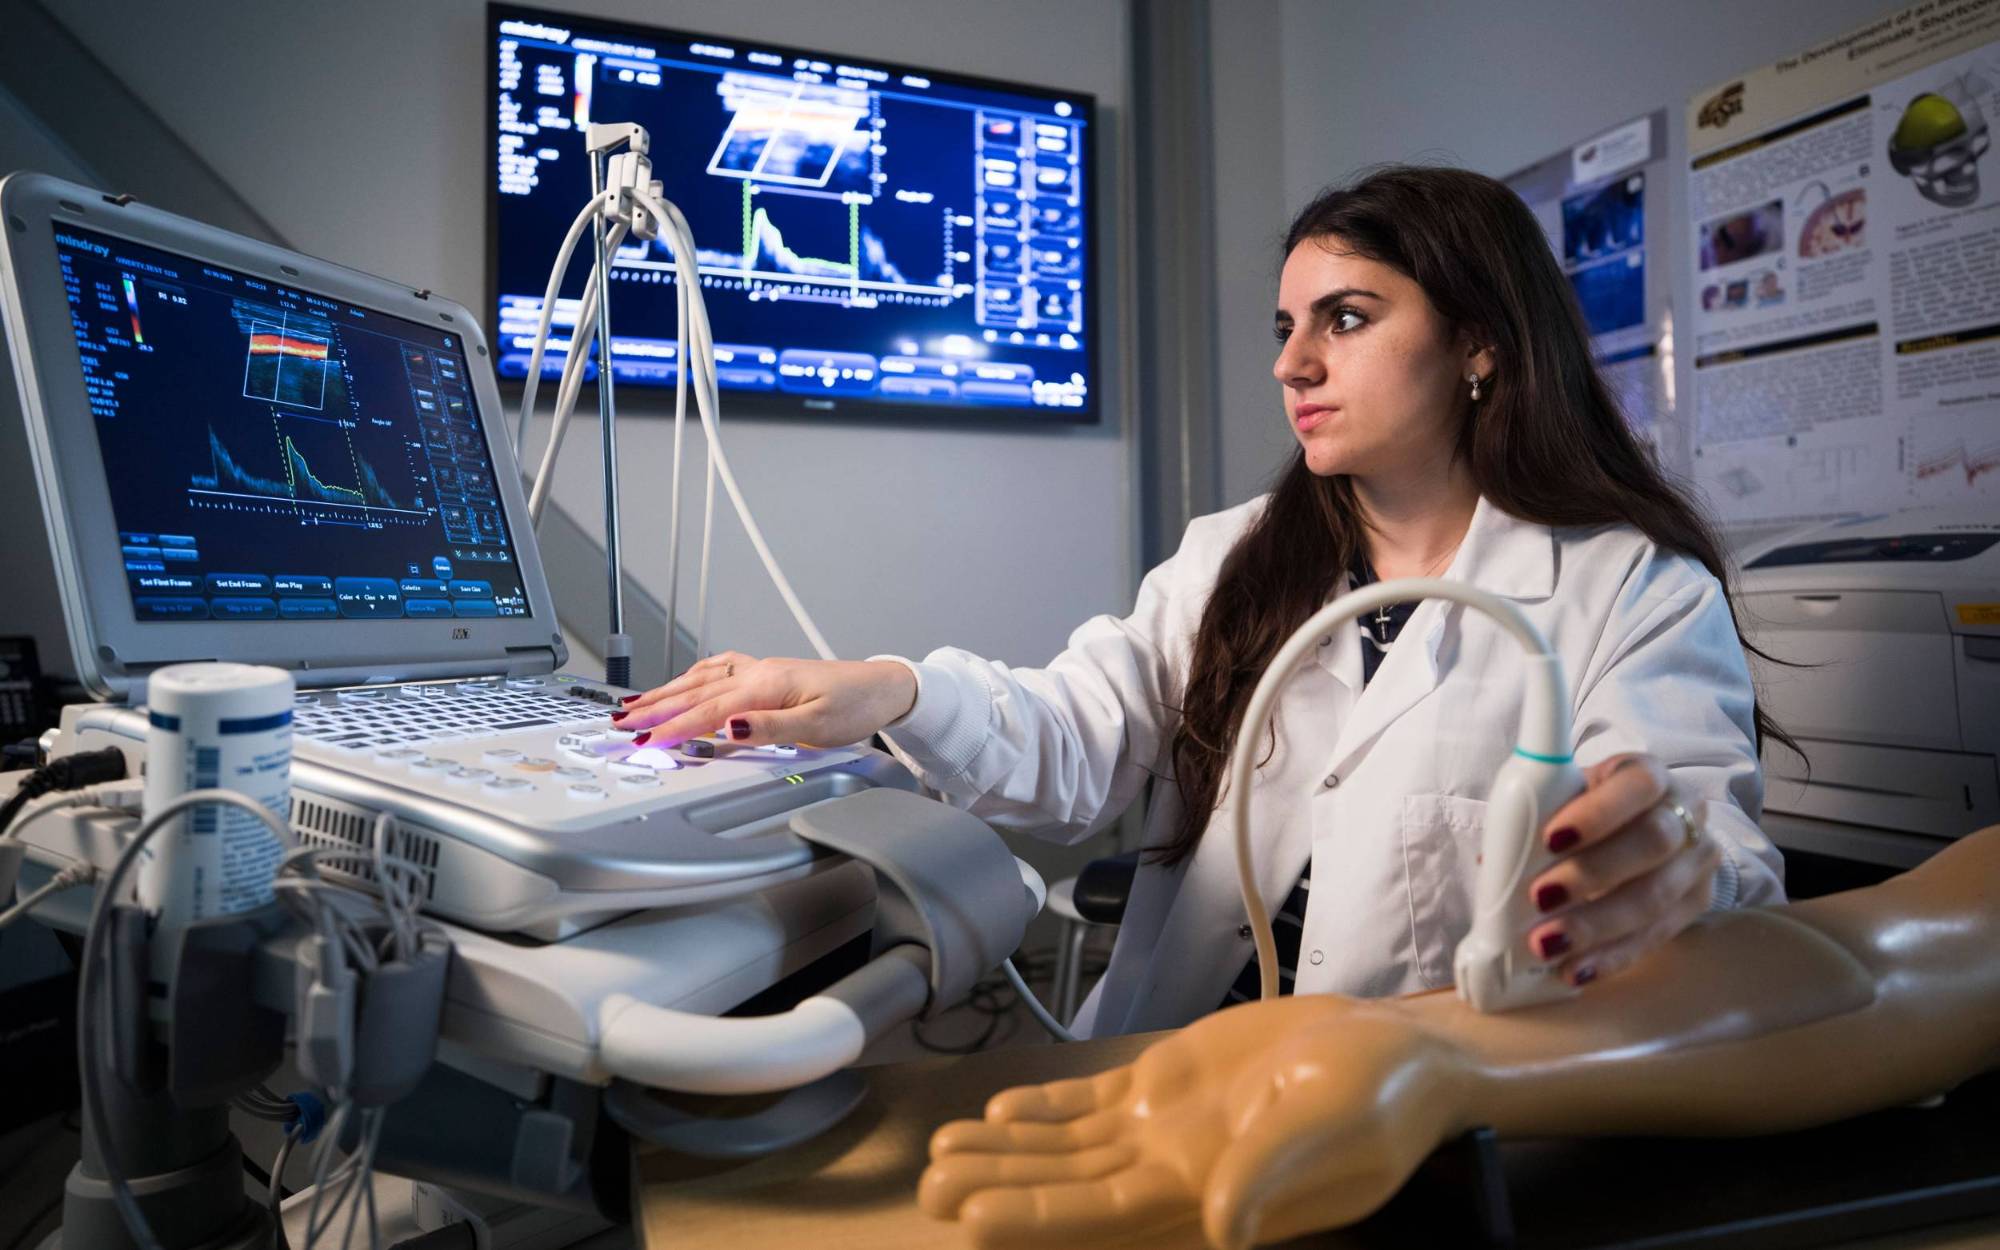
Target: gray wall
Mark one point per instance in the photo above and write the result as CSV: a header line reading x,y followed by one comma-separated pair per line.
x,y
24,558
359,129
1252,208
1490,87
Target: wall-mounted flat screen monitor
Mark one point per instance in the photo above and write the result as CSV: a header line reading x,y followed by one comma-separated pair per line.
x,y
874,239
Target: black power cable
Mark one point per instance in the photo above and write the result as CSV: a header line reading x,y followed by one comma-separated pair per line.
x,y
85,768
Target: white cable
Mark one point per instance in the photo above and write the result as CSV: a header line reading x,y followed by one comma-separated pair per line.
x,y
686,268
88,1005
1537,733
707,547
395,896
674,491
705,345
575,364
556,275
698,358
574,367
76,874
1034,1005
322,1177
272,1202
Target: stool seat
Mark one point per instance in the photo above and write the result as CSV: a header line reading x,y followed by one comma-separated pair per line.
x,y
1104,885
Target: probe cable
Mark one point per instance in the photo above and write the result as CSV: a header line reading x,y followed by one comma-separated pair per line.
x,y
95,953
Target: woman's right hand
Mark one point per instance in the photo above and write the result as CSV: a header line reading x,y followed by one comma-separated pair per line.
x,y
811,702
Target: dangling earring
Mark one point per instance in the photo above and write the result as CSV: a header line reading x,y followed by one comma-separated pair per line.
x,y
1474,379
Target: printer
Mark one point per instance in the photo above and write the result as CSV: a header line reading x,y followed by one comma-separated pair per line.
x,y
1882,642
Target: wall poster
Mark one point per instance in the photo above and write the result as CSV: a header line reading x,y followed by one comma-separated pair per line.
x,y
1597,202
1845,218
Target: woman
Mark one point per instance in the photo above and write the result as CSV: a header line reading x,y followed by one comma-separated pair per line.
x,y
1439,381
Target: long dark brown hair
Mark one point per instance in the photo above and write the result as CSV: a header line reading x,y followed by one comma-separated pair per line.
x,y
1547,444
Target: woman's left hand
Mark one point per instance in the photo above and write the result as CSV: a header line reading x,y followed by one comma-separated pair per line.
x,y
1633,872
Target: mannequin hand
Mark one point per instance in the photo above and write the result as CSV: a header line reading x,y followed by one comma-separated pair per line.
x,y
1630,880
1258,1123
821,702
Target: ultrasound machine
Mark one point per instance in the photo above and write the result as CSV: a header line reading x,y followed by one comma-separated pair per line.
x,y
248,454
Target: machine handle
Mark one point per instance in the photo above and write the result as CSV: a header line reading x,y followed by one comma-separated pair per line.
x,y
678,1050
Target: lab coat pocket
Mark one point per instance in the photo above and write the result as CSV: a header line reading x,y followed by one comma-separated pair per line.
x,y
1441,835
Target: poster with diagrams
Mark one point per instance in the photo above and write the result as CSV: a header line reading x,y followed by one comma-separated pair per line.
x,y
1845,213
1596,202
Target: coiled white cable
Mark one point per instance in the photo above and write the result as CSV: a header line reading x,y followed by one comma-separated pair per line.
x,y
575,365
674,491
706,402
556,274
1544,719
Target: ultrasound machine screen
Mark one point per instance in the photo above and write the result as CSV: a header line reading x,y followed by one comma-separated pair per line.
x,y
870,237
274,455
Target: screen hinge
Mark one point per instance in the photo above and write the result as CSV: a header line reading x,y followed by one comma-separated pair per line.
x,y
530,661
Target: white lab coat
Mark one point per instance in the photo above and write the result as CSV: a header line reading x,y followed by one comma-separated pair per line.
x,y
1384,793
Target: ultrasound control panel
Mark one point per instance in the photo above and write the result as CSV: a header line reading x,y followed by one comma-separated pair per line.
x,y
537,751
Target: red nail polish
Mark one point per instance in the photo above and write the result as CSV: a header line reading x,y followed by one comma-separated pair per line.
x,y
739,729
1583,976
1554,944
1550,896
641,739
632,698
1563,839
618,716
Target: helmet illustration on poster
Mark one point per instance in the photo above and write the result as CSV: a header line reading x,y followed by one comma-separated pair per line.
x,y
1938,142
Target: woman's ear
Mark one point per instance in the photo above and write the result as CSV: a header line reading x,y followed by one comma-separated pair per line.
x,y
1479,356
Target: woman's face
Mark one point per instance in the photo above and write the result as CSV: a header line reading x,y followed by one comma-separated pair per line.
x,y
1374,379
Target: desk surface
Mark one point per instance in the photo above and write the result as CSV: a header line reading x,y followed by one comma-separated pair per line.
x,y
854,1188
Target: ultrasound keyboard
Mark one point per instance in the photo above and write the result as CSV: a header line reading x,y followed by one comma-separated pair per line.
x,y
369,718
537,751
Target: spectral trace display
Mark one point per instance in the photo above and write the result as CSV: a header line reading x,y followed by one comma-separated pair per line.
x,y
277,456
868,236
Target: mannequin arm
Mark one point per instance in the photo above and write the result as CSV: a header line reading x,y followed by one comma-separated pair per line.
x,y
1276,1118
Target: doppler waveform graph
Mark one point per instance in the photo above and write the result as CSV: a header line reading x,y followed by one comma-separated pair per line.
x,y
765,250
1959,464
295,477
857,258
285,366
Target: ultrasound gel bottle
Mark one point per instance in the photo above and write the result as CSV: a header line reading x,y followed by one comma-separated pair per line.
x,y
223,726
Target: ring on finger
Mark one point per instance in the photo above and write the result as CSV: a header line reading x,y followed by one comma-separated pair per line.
x,y
1690,827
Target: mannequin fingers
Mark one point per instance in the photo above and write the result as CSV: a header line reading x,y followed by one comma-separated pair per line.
x,y
1582,934
1617,791
1059,1101
948,1182
1613,958
1130,1207
1027,1136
